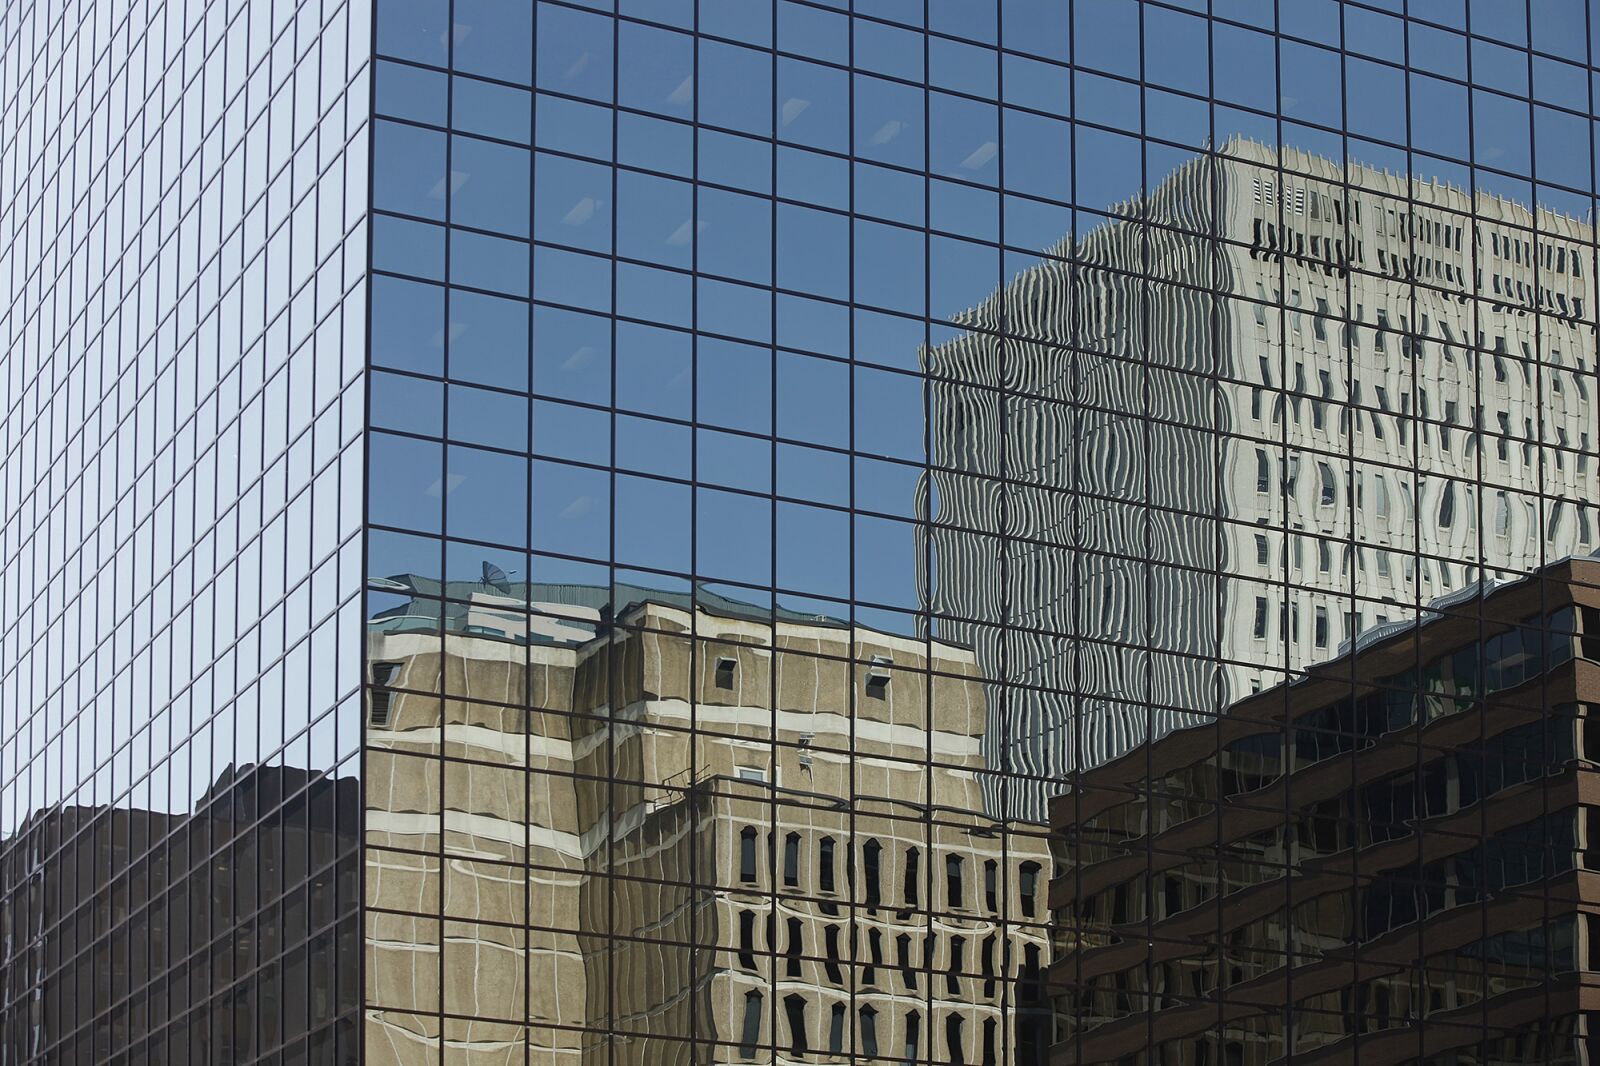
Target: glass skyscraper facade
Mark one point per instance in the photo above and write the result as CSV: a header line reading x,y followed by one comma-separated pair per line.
x,y
184,330
568,532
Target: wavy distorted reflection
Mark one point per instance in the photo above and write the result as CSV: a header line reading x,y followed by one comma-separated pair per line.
x,y
1216,440
1177,545
708,803
1417,845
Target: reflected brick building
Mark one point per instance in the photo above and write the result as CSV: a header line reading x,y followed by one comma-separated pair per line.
x,y
1317,872
249,902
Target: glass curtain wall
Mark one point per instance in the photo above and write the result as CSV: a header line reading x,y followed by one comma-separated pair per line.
x,y
182,355
820,450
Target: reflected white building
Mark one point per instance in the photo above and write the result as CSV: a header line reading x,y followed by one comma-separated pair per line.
x,y
1256,415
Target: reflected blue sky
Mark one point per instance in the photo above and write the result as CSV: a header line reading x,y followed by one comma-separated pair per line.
x,y
802,235
917,175
1051,157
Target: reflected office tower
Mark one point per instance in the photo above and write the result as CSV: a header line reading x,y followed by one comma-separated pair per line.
x,y
1272,406
277,890
717,834
1430,896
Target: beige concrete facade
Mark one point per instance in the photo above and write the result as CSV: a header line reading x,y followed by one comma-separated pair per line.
x,y
714,840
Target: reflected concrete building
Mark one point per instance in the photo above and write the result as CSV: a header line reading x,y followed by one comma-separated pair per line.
x,y
716,838
1269,406
1407,834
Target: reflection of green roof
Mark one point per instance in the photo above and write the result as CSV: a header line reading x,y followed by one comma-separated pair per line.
x,y
427,596
716,603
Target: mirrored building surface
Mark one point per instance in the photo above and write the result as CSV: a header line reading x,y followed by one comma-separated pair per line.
x,y
1221,489
181,454
1430,894
797,531
719,834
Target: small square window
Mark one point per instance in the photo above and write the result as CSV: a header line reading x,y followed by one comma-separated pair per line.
x,y
727,667
382,705
878,677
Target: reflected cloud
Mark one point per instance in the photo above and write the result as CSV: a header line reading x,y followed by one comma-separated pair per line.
x,y
981,155
792,109
581,212
888,132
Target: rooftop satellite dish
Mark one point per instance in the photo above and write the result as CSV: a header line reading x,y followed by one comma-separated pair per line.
x,y
495,577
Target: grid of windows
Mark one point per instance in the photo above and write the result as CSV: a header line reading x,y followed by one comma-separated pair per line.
x,y
947,531
185,260
818,448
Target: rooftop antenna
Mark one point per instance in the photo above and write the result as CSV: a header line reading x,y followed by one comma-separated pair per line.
x,y
496,578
